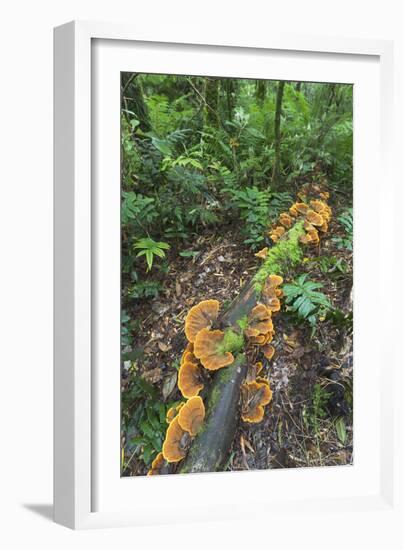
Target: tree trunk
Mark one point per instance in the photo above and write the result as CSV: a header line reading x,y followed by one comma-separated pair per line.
x,y
211,116
260,91
277,133
133,100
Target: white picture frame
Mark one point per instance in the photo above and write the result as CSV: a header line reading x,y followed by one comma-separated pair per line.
x,y
88,490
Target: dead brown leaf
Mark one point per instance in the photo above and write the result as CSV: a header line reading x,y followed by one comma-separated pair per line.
x,y
153,376
164,347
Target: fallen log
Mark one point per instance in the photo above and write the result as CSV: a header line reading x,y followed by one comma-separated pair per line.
x,y
210,449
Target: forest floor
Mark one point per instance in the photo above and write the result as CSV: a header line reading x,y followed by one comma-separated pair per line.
x,y
311,375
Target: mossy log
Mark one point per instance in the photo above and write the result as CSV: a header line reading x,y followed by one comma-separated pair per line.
x,y
210,449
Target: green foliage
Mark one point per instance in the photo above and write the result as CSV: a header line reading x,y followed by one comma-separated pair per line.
x,y
317,409
189,253
285,254
330,265
137,211
253,207
180,165
197,159
144,418
341,429
144,289
303,299
150,249
346,220
341,319
257,208
125,336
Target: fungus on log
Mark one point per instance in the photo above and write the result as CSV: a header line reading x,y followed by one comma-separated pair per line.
x,y
262,253
208,348
255,396
286,220
301,207
190,379
191,415
314,218
176,443
159,466
277,233
173,411
268,351
210,448
201,316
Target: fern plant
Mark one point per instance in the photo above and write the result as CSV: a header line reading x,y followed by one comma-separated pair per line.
x,y
137,209
253,207
346,220
304,299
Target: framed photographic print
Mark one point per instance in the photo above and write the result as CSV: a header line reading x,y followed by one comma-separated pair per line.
x,y
214,203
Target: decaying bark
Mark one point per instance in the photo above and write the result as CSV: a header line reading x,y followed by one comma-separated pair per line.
x,y
209,451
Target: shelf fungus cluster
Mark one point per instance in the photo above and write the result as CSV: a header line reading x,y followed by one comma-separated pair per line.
x,y
208,350
255,391
256,394
260,329
185,421
316,217
315,213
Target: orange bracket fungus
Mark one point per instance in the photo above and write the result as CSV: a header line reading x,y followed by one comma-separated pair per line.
x,y
157,464
293,211
201,316
262,253
301,207
190,379
286,220
318,206
314,218
305,239
277,233
173,411
260,326
274,281
258,367
268,351
208,348
191,415
255,396
253,371
177,441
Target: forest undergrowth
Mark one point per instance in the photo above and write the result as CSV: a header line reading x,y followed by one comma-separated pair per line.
x,y
207,167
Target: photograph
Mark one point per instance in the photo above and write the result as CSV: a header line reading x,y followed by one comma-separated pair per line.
x,y
236,274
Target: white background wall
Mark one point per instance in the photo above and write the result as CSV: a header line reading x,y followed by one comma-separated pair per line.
x,y
26,258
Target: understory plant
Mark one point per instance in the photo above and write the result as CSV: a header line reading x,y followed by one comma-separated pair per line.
x,y
346,220
305,301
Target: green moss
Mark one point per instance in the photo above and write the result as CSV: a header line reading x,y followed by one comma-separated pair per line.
x,y
214,397
233,342
284,254
243,322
